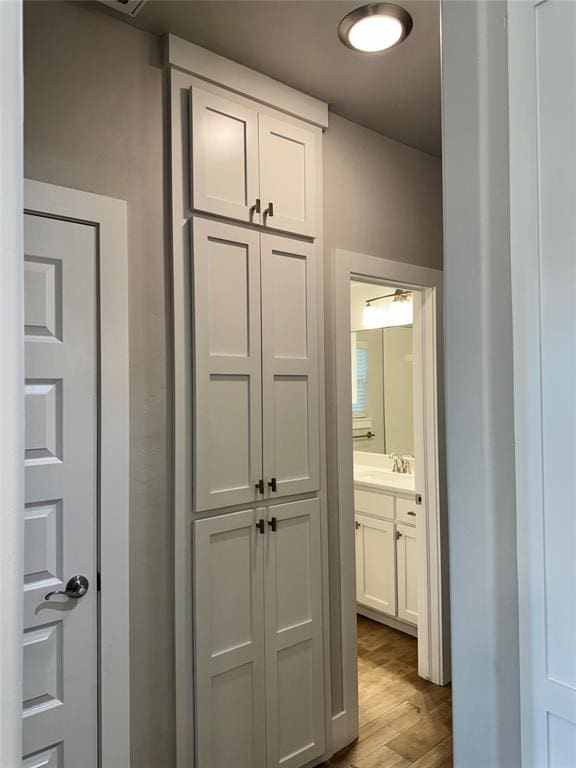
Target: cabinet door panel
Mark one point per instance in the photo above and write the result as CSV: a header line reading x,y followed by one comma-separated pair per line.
x,y
376,564
290,365
287,175
227,355
224,156
294,638
407,558
229,641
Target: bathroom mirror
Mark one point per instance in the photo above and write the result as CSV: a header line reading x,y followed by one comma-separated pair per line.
x,y
382,412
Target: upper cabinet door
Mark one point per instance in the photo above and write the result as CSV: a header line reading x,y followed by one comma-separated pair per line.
x,y
227,365
224,156
229,642
287,176
289,366
294,637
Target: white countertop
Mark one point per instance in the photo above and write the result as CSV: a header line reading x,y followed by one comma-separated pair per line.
x,y
383,479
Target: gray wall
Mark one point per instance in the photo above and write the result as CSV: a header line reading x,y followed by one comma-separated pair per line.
x,y
93,121
381,198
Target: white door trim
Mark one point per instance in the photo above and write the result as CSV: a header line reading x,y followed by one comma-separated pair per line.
x,y
433,629
11,384
109,216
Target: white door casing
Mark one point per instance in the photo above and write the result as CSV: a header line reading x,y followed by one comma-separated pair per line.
x,y
376,564
407,572
294,635
227,356
60,209
290,366
229,641
224,155
542,91
60,636
287,175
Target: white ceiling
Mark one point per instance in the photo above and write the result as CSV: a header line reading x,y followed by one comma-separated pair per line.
x,y
396,93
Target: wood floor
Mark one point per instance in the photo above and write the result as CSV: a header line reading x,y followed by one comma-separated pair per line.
x,y
405,721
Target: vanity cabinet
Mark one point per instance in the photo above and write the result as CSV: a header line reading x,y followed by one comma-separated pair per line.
x,y
256,419
375,564
251,164
386,554
258,628
407,571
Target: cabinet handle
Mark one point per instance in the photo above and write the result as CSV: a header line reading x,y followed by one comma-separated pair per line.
x,y
256,207
357,525
273,484
398,535
412,514
270,210
273,524
260,486
260,525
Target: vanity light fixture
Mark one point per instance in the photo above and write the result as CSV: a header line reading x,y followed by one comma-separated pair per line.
x,y
374,28
398,312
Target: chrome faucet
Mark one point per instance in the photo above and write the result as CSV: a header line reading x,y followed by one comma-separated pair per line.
x,y
401,464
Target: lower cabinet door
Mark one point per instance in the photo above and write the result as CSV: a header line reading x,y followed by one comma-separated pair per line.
x,y
294,642
375,564
407,559
229,641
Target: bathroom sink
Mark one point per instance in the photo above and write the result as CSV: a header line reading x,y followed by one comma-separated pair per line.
x,y
383,478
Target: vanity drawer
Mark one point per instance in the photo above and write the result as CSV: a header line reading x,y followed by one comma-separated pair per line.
x,y
406,511
378,504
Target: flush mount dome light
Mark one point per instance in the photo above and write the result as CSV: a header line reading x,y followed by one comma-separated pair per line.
x,y
374,28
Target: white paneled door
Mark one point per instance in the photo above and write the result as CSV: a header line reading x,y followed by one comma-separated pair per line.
x,y
290,366
229,640
224,155
227,355
294,653
60,515
542,83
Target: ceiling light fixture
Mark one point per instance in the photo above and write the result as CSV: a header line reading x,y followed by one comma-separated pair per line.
x,y
375,27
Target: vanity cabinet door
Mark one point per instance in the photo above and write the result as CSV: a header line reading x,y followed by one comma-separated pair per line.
x,y
229,641
224,155
227,419
288,175
294,635
290,366
407,563
376,564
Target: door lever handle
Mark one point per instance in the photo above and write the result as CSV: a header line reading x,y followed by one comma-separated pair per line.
x,y
76,587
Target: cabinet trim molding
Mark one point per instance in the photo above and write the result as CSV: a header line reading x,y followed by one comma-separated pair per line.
x,y
181,54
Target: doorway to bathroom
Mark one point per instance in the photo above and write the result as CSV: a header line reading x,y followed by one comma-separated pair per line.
x,y
394,603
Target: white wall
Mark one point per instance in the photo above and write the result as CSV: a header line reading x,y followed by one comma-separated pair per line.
x,y
479,387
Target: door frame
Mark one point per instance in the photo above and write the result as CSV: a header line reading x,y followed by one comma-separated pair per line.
x,y
109,217
433,625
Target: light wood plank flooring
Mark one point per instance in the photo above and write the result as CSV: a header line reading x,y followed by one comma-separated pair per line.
x,y
405,721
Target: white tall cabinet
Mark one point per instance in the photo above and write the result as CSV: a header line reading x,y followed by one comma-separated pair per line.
x,y
250,546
